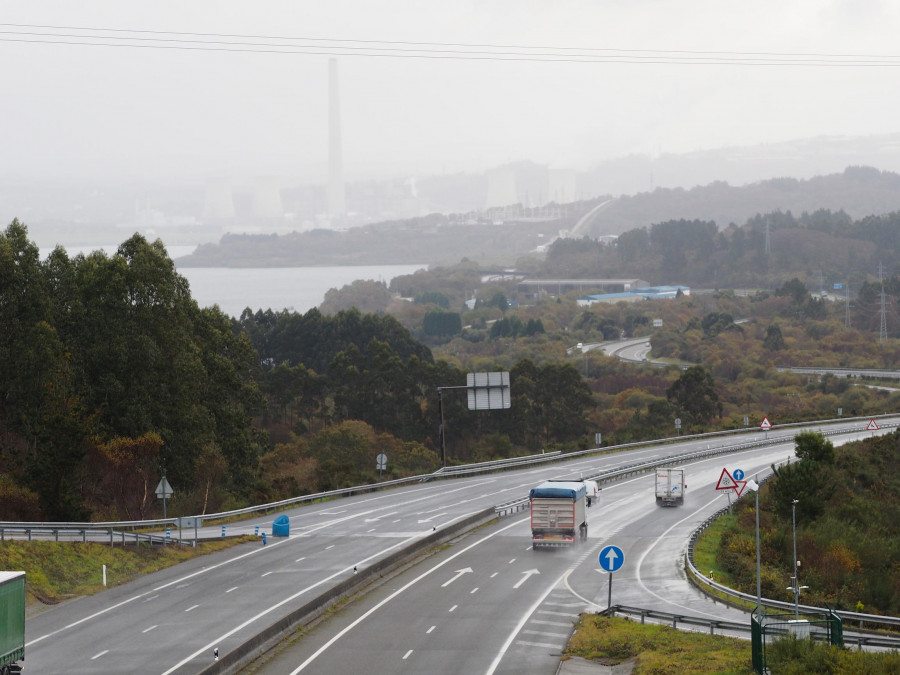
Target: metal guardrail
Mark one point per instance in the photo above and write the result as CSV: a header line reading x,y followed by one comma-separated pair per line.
x,y
891,622
712,625
469,469
115,536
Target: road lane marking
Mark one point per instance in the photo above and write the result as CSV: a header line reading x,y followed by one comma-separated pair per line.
x,y
97,656
265,574
565,636
233,588
459,573
299,559
296,595
452,608
430,629
473,591
191,607
328,547
152,597
494,574
544,645
147,630
406,655
525,578
400,590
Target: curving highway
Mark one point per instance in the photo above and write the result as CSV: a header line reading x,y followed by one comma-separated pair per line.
x,y
487,603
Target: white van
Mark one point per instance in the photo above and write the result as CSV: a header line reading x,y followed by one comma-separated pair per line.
x,y
593,491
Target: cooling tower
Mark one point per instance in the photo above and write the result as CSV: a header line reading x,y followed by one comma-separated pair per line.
x,y
336,198
219,204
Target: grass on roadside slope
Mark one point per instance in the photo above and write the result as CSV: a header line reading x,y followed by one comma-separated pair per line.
x,y
658,650
57,571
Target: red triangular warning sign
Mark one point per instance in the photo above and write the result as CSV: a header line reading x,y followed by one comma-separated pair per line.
x,y
765,424
726,482
739,488
872,426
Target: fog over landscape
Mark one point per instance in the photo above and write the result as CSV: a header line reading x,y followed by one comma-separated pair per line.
x,y
133,115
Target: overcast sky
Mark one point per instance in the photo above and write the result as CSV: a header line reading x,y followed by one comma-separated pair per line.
x,y
203,111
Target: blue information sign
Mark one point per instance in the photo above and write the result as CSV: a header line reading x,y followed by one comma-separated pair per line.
x,y
738,474
611,558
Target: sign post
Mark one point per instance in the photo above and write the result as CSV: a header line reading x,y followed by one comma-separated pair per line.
x,y
486,391
164,491
765,425
611,559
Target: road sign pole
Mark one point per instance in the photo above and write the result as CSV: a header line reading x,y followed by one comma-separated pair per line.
x,y
609,594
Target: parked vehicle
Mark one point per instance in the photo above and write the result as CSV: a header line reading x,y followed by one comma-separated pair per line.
x,y
12,622
670,486
593,491
558,513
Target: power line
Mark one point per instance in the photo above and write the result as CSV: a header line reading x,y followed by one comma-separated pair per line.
x,y
276,44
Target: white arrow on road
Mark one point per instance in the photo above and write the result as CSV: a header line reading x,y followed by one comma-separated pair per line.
x,y
525,578
433,517
459,573
372,520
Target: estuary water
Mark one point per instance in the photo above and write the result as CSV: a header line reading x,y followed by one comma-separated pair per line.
x,y
297,289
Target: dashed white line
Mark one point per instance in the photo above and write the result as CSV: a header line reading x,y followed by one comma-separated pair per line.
x,y
97,656
266,573
473,591
430,629
299,559
512,561
453,608
147,630
191,607
328,547
152,597
494,574
233,588
406,655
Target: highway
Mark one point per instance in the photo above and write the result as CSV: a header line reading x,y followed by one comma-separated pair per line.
x,y
513,610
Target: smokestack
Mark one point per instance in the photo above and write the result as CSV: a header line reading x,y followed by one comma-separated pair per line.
x,y
336,201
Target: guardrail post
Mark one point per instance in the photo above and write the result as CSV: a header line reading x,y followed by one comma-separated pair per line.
x,y
29,533
56,535
111,537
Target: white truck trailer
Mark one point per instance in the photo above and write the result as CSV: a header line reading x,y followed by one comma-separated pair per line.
x,y
670,486
558,516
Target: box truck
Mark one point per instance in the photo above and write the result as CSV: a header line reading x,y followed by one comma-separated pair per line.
x,y
12,622
558,513
670,486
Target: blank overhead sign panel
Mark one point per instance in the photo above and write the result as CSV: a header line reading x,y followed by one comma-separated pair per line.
x,y
488,391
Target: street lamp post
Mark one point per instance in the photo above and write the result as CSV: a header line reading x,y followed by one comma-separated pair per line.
x,y
795,582
753,485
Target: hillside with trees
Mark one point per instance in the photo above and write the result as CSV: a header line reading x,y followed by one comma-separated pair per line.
x,y
848,528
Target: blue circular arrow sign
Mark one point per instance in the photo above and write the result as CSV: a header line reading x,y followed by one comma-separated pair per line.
x,y
611,558
738,474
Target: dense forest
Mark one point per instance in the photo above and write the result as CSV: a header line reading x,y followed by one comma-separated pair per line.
x,y
113,376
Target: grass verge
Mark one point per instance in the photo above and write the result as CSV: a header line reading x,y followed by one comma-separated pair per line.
x,y
57,571
657,650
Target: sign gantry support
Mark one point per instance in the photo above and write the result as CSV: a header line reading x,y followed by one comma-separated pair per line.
x,y
486,391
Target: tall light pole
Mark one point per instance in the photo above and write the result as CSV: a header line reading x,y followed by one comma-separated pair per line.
x,y
753,485
796,581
